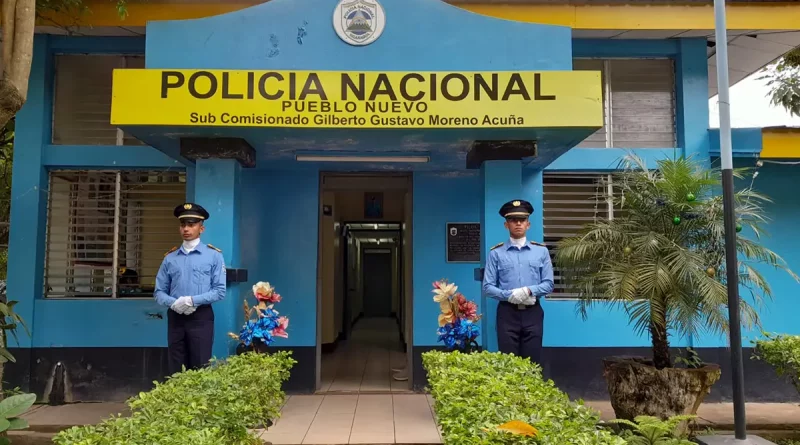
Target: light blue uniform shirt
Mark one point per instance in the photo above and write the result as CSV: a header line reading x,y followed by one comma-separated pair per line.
x,y
200,274
509,267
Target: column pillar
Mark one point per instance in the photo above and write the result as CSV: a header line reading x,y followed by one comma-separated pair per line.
x,y
691,79
28,219
502,182
217,185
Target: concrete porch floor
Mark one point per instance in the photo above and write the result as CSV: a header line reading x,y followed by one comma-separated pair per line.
x,y
386,418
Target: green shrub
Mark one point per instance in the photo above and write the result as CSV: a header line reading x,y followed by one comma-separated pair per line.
x,y
211,406
476,393
783,353
648,430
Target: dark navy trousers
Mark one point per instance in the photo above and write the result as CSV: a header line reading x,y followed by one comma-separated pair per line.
x,y
189,338
519,331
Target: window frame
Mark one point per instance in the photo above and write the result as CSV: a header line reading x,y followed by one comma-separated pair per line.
x,y
119,174
608,100
120,134
604,178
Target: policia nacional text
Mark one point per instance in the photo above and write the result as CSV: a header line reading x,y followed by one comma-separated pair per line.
x,y
412,87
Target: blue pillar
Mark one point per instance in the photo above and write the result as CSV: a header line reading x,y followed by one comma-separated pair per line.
x,y
190,184
29,192
217,184
502,182
691,70
533,191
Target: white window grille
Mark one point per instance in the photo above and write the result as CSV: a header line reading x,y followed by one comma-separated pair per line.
x,y
107,231
572,200
638,103
82,105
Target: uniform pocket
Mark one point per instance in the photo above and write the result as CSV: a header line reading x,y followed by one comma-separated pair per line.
x,y
201,271
535,267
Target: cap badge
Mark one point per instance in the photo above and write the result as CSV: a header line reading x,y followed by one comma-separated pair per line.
x,y
187,206
516,203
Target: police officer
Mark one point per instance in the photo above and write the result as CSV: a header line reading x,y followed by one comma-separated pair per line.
x,y
190,279
519,273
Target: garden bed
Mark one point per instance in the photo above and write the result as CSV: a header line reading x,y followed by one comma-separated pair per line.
x,y
476,393
211,406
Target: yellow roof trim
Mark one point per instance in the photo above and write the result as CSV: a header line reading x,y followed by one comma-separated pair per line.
x,y
780,143
608,17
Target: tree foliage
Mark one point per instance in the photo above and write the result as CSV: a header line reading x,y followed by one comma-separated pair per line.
x,y
662,257
783,78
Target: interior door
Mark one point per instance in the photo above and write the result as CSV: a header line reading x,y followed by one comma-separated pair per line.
x,y
377,283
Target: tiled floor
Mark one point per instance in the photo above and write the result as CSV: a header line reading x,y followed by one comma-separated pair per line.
x,y
363,364
356,419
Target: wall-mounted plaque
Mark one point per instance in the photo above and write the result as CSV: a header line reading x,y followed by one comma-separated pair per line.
x,y
463,242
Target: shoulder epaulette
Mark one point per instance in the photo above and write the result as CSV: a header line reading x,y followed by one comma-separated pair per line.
x,y
496,246
214,248
171,250
537,244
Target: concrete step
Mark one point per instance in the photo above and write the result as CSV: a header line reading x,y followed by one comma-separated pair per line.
x,y
30,438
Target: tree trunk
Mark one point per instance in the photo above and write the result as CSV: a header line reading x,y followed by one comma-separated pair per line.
x,y
661,357
10,101
19,19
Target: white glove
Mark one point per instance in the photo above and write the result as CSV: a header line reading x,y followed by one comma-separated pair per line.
x,y
530,300
518,296
183,306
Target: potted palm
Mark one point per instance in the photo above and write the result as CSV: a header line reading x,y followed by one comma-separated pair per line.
x,y
662,260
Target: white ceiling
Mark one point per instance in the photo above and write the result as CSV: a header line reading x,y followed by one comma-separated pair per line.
x,y
748,50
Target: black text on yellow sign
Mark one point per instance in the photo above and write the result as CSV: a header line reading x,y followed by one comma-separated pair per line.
x,y
328,99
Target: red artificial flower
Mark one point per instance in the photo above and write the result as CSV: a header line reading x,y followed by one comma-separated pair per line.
x,y
280,331
468,310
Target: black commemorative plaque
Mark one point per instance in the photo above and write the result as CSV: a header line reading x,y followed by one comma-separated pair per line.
x,y
463,242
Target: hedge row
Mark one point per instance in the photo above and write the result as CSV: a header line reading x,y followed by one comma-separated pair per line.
x,y
211,406
476,393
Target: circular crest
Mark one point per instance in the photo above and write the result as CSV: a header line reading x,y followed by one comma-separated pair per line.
x,y
359,22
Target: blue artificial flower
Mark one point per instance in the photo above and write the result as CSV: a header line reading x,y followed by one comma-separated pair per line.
x,y
246,334
459,333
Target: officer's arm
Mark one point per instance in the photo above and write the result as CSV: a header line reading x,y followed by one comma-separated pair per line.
x,y
490,280
546,285
163,282
217,289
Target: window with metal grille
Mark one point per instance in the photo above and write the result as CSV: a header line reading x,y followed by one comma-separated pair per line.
x,y
107,231
638,103
82,108
572,200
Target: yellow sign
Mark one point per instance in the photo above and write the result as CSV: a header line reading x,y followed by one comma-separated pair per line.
x,y
329,99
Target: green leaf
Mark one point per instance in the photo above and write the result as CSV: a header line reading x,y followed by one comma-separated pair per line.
x,y
18,423
4,424
16,406
5,441
5,355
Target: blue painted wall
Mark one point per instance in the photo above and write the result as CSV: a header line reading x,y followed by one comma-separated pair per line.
x,y
440,199
279,230
779,182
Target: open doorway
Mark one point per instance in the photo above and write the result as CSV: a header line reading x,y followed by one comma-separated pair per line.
x,y
364,284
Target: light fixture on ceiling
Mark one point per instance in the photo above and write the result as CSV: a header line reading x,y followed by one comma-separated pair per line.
x,y
361,158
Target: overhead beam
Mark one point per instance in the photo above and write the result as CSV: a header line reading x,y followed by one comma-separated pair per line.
x,y
745,16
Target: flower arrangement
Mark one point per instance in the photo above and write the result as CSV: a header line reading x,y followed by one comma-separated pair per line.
x,y
267,323
458,327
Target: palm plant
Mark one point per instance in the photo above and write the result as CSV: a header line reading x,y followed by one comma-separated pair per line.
x,y
662,257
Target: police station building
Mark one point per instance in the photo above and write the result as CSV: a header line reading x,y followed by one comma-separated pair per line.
x,y
350,153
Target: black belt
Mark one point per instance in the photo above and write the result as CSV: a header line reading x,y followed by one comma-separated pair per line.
x,y
520,307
